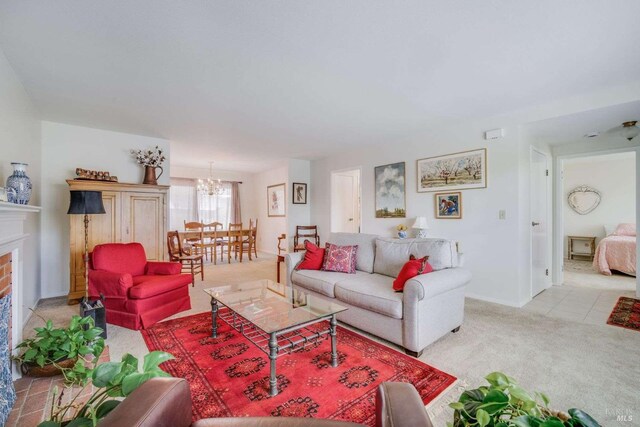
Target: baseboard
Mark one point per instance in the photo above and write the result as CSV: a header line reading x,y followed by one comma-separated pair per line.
x,y
493,300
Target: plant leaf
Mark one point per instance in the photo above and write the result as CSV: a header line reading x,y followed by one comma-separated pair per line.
x,y
526,421
472,396
483,417
105,372
49,424
155,358
80,422
583,418
106,407
456,405
552,422
520,394
498,379
494,401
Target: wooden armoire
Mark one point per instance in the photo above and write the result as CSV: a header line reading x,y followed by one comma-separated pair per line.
x,y
134,213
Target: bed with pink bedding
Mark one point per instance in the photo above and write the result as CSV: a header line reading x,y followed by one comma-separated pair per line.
x,y
617,252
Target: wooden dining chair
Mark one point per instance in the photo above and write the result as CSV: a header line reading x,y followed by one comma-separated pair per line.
x,y
249,241
195,242
234,241
280,256
303,233
213,239
190,263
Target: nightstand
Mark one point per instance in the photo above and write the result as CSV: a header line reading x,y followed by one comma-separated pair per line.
x,y
582,246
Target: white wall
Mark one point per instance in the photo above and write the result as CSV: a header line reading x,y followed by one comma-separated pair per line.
x,y
269,228
20,142
613,175
491,246
248,202
66,147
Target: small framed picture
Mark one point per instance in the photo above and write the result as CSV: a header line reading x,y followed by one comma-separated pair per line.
x,y
276,200
449,205
299,193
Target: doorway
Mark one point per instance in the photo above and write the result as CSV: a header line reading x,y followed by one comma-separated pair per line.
x,y
540,279
345,201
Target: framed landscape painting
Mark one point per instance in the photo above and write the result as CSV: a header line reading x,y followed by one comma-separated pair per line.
x,y
276,200
459,171
390,191
449,205
299,193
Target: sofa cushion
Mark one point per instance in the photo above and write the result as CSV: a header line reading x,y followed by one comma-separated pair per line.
x,y
120,258
322,282
341,259
313,257
372,292
148,286
366,247
392,254
414,267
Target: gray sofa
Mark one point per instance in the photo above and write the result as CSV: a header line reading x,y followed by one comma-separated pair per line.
x,y
430,306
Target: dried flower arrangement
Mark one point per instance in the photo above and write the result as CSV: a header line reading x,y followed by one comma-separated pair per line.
x,y
153,158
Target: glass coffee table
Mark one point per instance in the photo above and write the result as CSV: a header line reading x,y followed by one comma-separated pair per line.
x,y
275,318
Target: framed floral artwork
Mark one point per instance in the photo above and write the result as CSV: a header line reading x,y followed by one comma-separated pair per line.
x,y
276,200
299,193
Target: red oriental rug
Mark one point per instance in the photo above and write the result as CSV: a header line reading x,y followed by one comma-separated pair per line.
x,y
229,376
626,314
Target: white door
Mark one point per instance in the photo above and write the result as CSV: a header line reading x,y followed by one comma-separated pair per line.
x,y
345,202
539,225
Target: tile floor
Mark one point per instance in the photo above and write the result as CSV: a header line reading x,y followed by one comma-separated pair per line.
x,y
584,305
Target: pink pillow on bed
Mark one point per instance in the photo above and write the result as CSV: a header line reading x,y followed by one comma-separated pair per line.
x,y
625,230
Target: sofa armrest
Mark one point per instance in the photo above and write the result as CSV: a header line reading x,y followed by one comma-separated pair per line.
x,y
290,261
159,402
158,268
109,284
435,283
400,405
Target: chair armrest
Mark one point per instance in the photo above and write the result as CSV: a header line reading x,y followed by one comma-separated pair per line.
x,y
109,284
435,283
400,405
159,402
290,261
156,268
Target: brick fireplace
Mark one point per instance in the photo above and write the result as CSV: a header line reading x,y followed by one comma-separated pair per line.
x,y
5,282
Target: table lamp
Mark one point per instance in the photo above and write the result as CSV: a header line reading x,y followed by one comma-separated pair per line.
x,y
88,203
422,225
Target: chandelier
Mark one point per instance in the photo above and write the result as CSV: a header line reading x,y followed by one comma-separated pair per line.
x,y
210,186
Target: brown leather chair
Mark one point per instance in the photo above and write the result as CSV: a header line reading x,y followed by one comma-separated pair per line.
x,y
166,402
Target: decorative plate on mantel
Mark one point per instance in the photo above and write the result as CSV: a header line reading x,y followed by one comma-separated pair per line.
x,y
584,199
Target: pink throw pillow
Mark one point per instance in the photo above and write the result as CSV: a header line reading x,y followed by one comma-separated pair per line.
x,y
340,258
625,230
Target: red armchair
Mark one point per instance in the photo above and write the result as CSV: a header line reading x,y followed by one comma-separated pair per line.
x,y
137,293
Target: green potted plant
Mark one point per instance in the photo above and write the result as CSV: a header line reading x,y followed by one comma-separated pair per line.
x,y
111,380
503,403
55,350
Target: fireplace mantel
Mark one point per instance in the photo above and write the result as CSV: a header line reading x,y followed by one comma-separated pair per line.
x,y
13,207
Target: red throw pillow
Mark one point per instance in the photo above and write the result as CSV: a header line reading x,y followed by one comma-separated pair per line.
x,y
411,269
313,257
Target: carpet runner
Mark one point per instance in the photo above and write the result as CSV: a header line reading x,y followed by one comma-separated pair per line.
x,y
229,376
626,314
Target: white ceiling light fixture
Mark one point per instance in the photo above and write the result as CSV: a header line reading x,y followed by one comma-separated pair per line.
x,y
211,186
630,130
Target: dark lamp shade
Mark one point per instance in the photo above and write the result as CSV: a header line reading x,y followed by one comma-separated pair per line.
x,y
86,202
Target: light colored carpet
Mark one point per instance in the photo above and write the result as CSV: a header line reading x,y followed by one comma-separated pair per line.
x,y
593,367
581,274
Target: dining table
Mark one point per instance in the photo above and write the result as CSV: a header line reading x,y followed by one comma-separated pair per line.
x,y
228,235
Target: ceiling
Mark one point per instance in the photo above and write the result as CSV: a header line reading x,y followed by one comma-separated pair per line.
x,y
573,128
248,83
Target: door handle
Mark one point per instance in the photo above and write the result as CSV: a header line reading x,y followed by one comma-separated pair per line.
x,y
350,219
533,223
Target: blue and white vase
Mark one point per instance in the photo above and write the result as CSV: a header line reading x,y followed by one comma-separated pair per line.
x,y
21,183
402,234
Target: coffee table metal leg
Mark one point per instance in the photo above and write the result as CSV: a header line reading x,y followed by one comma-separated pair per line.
x,y
214,318
334,347
273,355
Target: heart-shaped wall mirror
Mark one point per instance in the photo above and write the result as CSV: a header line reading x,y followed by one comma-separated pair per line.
x,y
584,199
